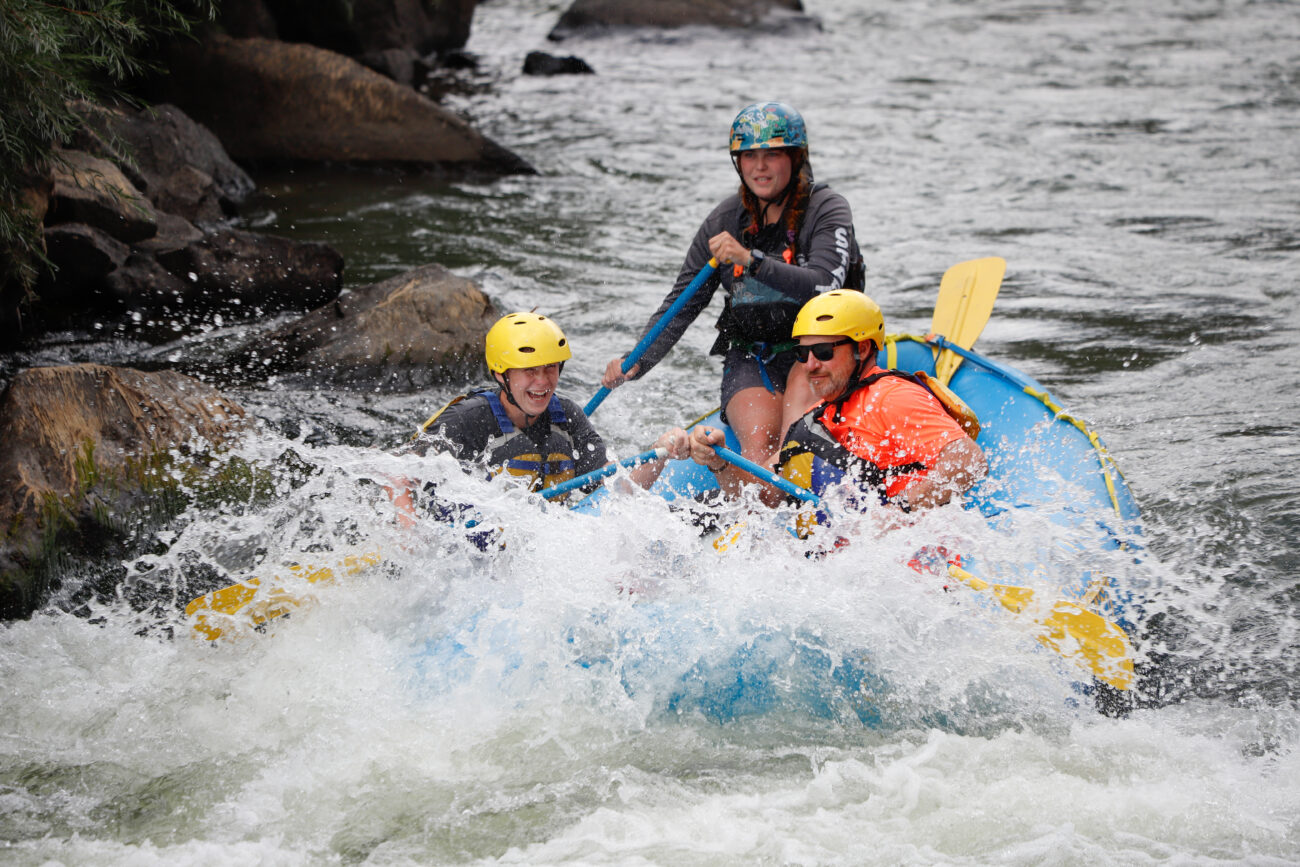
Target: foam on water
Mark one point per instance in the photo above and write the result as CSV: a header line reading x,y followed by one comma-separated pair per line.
x,y
602,689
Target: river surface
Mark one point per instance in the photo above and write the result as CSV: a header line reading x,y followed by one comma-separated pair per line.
x,y
1137,166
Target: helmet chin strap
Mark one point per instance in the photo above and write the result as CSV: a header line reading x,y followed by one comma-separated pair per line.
x,y
862,364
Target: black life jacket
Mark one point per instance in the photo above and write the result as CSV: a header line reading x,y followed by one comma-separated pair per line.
x,y
758,313
513,451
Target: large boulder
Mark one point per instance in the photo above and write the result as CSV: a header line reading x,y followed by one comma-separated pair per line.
x,y
588,17
84,256
254,274
362,26
277,102
89,453
405,333
175,161
175,282
88,189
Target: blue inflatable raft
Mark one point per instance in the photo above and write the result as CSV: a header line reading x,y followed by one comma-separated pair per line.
x,y
1042,461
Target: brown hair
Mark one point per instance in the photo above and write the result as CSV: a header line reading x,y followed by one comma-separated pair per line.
x,y
796,201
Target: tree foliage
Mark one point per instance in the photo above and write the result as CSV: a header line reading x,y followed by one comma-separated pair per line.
x,y
51,55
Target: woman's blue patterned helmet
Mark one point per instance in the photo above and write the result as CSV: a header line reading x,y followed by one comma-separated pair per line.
x,y
768,125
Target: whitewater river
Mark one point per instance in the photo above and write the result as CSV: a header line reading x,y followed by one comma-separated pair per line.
x,y
1137,166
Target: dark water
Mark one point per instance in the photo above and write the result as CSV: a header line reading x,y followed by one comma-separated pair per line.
x,y
1137,167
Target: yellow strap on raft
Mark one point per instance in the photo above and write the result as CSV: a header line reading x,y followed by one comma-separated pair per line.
x,y
891,348
1103,456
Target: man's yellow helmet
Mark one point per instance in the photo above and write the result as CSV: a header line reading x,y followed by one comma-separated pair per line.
x,y
525,340
844,312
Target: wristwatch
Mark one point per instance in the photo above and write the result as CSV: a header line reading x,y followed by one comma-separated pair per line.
x,y
756,258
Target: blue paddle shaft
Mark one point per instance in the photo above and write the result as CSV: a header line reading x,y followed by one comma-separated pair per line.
x,y
766,475
653,334
607,470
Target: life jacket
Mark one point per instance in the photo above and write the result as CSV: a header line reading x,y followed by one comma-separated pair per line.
x,y
515,452
814,459
757,313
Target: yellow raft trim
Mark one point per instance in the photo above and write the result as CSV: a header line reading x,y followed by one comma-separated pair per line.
x,y
1103,456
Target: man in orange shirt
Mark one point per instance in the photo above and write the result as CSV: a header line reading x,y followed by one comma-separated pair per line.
x,y
885,432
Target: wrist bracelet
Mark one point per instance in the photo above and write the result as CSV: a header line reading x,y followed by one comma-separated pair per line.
x,y
715,470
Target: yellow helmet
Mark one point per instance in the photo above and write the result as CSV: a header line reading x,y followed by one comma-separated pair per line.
x,y
525,340
844,312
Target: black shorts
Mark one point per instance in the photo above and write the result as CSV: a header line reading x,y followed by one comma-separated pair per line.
x,y
741,369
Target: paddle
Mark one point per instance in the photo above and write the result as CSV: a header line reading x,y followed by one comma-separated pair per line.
x,y
209,609
607,470
1076,633
966,296
653,334
1068,628
759,471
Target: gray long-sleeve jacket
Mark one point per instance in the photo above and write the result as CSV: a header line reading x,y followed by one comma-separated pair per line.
x,y
761,305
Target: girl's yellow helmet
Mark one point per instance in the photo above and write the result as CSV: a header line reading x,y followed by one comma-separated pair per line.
x,y
525,340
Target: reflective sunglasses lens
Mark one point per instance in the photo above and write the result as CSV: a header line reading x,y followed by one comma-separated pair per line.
x,y
820,351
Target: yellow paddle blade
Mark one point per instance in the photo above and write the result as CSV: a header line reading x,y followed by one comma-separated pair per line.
x,y
1091,640
728,537
1013,598
1081,636
213,612
966,296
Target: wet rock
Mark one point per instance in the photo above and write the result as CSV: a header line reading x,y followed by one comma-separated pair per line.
x,y
174,233
248,18
404,333
362,26
142,290
541,63
458,60
89,453
98,278
177,163
91,190
400,64
588,17
273,102
175,283
82,256
254,274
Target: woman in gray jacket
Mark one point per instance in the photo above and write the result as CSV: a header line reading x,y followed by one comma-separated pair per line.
x,y
779,240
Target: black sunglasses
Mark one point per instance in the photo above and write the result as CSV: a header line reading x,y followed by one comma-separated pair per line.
x,y
820,351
